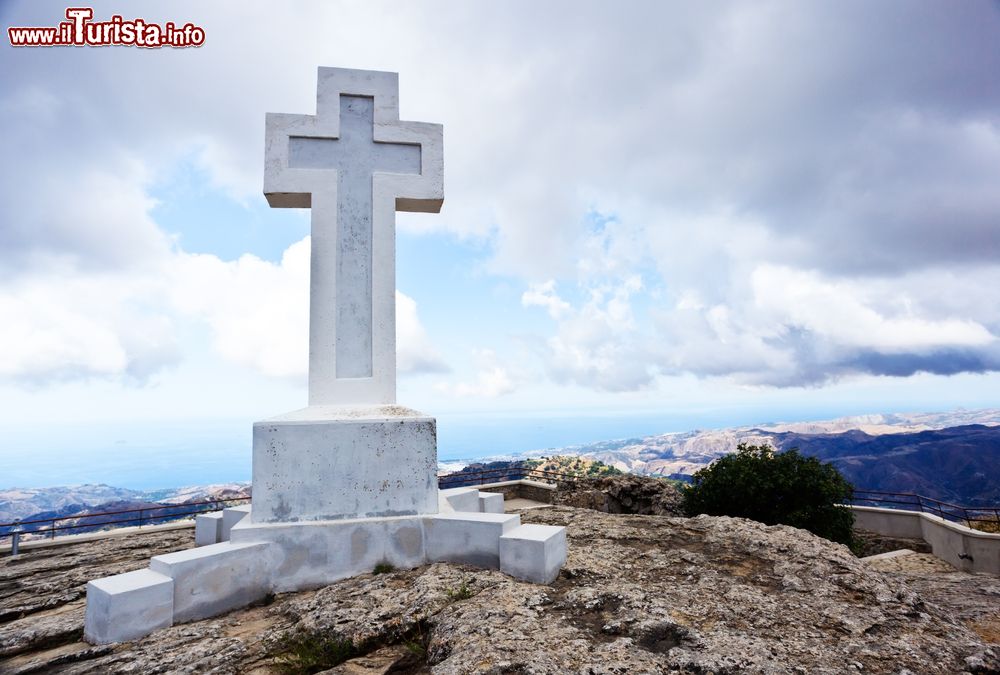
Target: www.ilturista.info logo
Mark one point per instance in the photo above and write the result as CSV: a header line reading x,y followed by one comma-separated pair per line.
x,y
80,31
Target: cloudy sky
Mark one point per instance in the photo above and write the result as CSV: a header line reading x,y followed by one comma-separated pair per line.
x,y
788,206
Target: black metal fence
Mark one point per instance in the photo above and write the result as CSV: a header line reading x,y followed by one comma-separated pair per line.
x,y
85,521
973,516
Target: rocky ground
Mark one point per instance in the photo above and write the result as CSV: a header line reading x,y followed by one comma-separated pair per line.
x,y
638,594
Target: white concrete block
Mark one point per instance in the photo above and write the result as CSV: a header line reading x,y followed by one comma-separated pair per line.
x,y
128,606
316,553
327,463
533,553
208,529
231,516
214,579
471,538
491,502
462,499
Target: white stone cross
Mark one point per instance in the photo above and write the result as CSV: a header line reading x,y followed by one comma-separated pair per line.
x,y
354,163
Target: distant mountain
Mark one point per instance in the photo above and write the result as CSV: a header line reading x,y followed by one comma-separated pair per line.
x,y
958,464
21,503
197,493
949,456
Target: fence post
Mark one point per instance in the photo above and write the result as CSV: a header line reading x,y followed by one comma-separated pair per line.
x,y
140,518
52,530
15,542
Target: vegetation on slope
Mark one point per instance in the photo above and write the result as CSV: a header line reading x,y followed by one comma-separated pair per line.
x,y
574,466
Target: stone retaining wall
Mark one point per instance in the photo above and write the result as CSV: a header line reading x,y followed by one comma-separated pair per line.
x,y
522,489
963,547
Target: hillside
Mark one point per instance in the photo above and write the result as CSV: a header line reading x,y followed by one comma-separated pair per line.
x,y
896,453
505,469
22,503
572,466
958,464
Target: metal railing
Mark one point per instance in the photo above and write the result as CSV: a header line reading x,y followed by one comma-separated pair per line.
x,y
972,516
154,514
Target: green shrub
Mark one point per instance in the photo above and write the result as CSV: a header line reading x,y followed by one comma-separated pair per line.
x,y
384,568
773,488
463,592
306,653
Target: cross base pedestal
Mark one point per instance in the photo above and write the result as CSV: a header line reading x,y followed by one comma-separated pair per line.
x,y
262,558
331,462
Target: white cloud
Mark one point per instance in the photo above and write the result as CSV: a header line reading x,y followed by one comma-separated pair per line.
x,y
839,312
80,216
83,323
259,312
81,326
414,352
598,343
492,379
544,295
799,327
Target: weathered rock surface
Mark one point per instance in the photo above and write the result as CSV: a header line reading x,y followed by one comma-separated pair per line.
x,y
627,493
638,594
42,592
972,598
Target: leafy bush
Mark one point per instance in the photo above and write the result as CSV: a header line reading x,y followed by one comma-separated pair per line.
x,y
306,653
463,592
773,488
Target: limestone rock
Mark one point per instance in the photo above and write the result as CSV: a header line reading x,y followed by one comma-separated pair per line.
x,y
971,598
627,493
42,591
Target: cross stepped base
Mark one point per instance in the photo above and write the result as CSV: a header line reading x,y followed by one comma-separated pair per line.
x,y
262,558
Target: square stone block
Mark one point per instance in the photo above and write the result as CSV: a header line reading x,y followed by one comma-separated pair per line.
x,y
128,606
470,538
214,579
208,529
331,463
491,502
462,499
533,553
230,517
